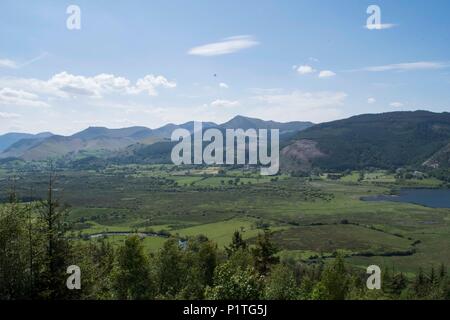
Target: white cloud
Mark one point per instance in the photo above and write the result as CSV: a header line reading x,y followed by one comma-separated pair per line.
x,y
305,69
149,84
265,91
326,74
7,115
371,100
89,86
396,104
225,103
305,100
6,63
66,85
409,66
381,26
32,85
317,106
226,46
223,85
20,98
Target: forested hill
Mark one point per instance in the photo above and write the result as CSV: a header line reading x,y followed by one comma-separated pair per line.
x,y
387,140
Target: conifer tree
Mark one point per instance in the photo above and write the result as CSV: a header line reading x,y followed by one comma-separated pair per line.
x,y
132,280
57,247
237,243
264,254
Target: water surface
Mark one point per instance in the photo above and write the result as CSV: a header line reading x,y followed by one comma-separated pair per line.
x,y
433,198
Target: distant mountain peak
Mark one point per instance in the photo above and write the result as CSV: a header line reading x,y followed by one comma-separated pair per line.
x,y
245,123
8,139
99,138
95,132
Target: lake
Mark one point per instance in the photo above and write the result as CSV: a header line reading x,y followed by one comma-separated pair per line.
x,y
433,198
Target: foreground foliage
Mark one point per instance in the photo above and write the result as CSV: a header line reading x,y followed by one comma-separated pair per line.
x,y
34,254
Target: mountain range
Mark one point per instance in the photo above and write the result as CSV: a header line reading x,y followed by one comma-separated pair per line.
x,y
9,139
386,140
100,141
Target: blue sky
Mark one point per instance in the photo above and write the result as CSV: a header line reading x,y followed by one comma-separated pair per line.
x,y
153,62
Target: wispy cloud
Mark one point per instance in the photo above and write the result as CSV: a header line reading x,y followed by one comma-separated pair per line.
x,y
35,59
265,91
381,26
408,66
226,46
371,100
225,103
8,63
8,115
10,97
315,106
305,100
223,85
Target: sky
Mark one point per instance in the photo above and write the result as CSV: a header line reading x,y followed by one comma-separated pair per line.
x,y
154,62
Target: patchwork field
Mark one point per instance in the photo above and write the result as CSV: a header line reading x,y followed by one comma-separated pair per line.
x,y
310,218
327,239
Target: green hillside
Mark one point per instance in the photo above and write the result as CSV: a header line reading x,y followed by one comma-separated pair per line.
x,y
387,140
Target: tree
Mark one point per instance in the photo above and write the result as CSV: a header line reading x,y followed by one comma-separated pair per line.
x,y
132,280
52,225
334,282
13,258
264,253
235,284
361,176
280,285
398,284
96,261
200,261
420,286
103,256
236,244
442,271
170,269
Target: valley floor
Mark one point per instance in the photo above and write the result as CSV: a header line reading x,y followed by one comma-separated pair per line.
x,y
310,218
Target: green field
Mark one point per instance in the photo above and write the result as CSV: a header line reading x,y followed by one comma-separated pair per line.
x,y
310,217
152,244
220,232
